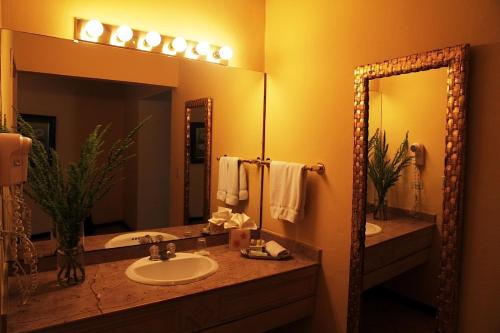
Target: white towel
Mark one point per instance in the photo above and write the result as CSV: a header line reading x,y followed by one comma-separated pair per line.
x,y
232,181
288,190
243,187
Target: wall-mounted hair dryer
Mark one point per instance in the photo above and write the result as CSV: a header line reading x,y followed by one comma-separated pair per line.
x,y
14,151
16,250
419,151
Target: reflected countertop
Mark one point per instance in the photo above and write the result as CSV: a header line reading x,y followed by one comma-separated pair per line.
x,y
46,248
396,228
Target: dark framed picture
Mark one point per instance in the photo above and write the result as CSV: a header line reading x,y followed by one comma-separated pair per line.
x,y
198,140
44,127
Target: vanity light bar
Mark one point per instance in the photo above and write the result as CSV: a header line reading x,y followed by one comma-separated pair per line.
x,y
124,36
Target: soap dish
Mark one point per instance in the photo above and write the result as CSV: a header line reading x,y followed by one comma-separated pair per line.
x,y
247,254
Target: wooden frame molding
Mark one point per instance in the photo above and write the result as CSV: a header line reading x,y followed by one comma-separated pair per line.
x,y
456,60
206,103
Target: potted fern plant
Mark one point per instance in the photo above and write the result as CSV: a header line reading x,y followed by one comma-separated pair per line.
x,y
383,171
67,194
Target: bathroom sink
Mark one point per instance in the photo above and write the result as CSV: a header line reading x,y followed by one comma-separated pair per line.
x,y
372,229
183,268
132,238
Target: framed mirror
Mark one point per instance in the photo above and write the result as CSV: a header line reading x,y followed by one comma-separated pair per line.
x,y
198,152
408,176
81,85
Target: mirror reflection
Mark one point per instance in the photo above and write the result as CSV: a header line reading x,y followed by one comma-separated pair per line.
x,y
65,89
197,199
404,201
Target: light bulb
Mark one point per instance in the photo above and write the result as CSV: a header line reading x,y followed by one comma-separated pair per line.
x,y
124,33
225,53
179,44
94,28
153,39
202,48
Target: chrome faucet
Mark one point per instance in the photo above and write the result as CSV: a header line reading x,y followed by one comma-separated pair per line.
x,y
155,253
147,239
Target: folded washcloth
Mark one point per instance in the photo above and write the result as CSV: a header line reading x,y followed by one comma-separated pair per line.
x,y
288,190
222,216
240,221
276,250
232,185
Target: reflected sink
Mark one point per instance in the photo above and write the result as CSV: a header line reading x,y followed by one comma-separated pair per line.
x,y
183,268
131,238
372,229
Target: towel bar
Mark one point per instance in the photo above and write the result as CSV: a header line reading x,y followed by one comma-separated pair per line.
x,y
319,167
254,161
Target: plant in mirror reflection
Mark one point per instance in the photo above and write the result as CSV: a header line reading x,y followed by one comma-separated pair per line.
x,y
383,171
67,194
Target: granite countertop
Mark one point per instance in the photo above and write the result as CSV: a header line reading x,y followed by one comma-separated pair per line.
x,y
96,242
396,227
107,289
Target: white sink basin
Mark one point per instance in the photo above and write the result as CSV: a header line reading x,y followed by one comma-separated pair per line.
x,y
183,268
131,238
372,229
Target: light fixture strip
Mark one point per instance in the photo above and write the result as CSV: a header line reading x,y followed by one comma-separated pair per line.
x,y
150,41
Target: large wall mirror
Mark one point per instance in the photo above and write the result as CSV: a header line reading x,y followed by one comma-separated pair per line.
x,y
407,190
64,89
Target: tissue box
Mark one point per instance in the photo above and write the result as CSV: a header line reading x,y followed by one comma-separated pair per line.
x,y
216,229
239,239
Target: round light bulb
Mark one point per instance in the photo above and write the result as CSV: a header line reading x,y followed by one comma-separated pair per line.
x,y
225,53
179,44
202,48
153,39
124,33
94,28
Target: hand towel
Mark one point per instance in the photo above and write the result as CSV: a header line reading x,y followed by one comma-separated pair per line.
x,y
232,181
288,190
243,187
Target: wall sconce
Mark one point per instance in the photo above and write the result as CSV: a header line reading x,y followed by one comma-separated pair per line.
x,y
124,36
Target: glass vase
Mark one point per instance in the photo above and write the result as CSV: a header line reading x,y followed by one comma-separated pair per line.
x,y
380,212
70,256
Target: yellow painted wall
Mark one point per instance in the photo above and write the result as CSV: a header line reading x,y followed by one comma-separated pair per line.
x,y
237,126
238,23
6,74
312,48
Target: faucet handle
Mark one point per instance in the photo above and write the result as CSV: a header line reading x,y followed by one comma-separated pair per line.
x,y
154,253
171,248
